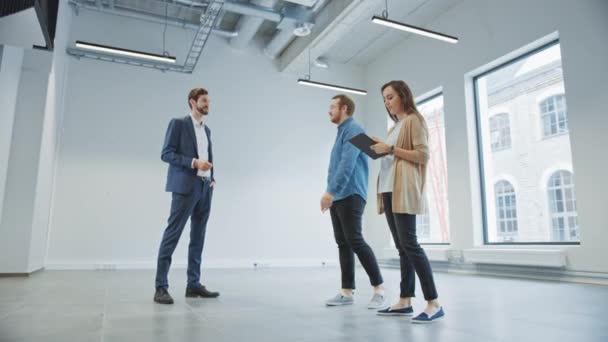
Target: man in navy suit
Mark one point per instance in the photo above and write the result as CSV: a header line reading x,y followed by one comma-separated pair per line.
x,y
187,150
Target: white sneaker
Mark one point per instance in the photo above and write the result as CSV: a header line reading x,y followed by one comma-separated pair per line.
x,y
339,299
377,302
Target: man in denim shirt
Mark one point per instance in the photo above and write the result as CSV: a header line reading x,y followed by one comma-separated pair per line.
x,y
345,198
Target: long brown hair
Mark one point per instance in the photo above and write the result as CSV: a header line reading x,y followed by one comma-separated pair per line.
x,y
407,100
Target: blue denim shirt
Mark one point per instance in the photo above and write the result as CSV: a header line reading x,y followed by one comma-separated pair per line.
x,y
348,169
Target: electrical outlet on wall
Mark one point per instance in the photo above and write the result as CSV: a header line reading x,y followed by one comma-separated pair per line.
x,y
106,267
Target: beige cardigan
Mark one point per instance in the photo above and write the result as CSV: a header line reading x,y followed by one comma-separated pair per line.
x,y
410,177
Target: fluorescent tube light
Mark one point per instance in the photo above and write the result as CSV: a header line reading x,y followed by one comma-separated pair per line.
x,y
124,52
413,29
331,87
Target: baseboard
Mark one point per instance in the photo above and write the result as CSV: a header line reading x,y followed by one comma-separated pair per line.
x,y
513,271
208,264
14,275
514,257
20,274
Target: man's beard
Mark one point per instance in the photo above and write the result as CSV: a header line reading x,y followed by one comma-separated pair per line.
x,y
202,110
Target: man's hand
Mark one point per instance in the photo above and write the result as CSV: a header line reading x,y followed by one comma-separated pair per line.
x,y
202,165
212,184
326,201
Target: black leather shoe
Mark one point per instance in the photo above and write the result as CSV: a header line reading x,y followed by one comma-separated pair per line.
x,y
162,296
200,292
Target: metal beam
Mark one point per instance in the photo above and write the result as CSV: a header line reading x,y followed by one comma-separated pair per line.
x,y
208,19
207,22
147,17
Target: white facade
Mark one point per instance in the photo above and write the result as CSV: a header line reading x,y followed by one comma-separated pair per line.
x,y
518,149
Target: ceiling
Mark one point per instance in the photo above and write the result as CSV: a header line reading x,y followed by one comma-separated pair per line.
x,y
341,30
367,41
21,29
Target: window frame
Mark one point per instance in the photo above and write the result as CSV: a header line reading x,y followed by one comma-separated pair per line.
x,y
505,208
481,159
554,114
499,117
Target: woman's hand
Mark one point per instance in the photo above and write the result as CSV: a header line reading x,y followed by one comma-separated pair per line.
x,y
380,147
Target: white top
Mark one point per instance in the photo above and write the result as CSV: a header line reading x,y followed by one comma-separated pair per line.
x,y
387,172
202,144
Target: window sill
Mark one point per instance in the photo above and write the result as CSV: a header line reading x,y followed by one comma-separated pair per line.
x,y
549,137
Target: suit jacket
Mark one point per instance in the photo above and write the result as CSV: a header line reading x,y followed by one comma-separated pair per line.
x,y
178,151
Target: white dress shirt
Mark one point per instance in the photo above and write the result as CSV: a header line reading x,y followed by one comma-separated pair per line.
x,y
202,145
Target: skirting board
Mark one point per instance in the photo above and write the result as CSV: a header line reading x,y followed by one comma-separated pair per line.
x,y
219,263
512,271
20,274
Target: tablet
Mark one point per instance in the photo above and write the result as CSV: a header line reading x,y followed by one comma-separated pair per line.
x,y
364,143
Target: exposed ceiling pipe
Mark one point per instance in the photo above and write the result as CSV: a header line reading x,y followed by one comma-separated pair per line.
x,y
225,33
253,10
247,26
192,4
231,6
318,6
279,42
285,36
148,17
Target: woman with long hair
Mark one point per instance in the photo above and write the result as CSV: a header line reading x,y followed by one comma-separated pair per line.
x,y
401,196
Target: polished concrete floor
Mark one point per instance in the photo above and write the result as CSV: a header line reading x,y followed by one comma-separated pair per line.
x,y
287,305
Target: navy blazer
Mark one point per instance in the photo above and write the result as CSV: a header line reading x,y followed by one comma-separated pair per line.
x,y
178,150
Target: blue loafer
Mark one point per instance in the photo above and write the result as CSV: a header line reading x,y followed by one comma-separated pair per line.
x,y
424,318
407,311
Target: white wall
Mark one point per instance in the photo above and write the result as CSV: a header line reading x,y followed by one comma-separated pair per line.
x,y
489,30
272,140
11,245
53,112
23,161
109,206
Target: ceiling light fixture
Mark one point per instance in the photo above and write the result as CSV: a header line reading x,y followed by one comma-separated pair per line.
x,y
383,20
124,52
331,86
308,82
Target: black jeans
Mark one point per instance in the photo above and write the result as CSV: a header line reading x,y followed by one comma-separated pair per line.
x,y
411,255
346,217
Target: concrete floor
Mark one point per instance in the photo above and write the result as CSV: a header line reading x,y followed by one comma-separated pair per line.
x,y
288,305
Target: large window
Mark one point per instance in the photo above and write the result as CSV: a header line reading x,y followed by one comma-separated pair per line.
x,y
423,227
506,207
562,204
500,132
523,101
434,228
553,111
